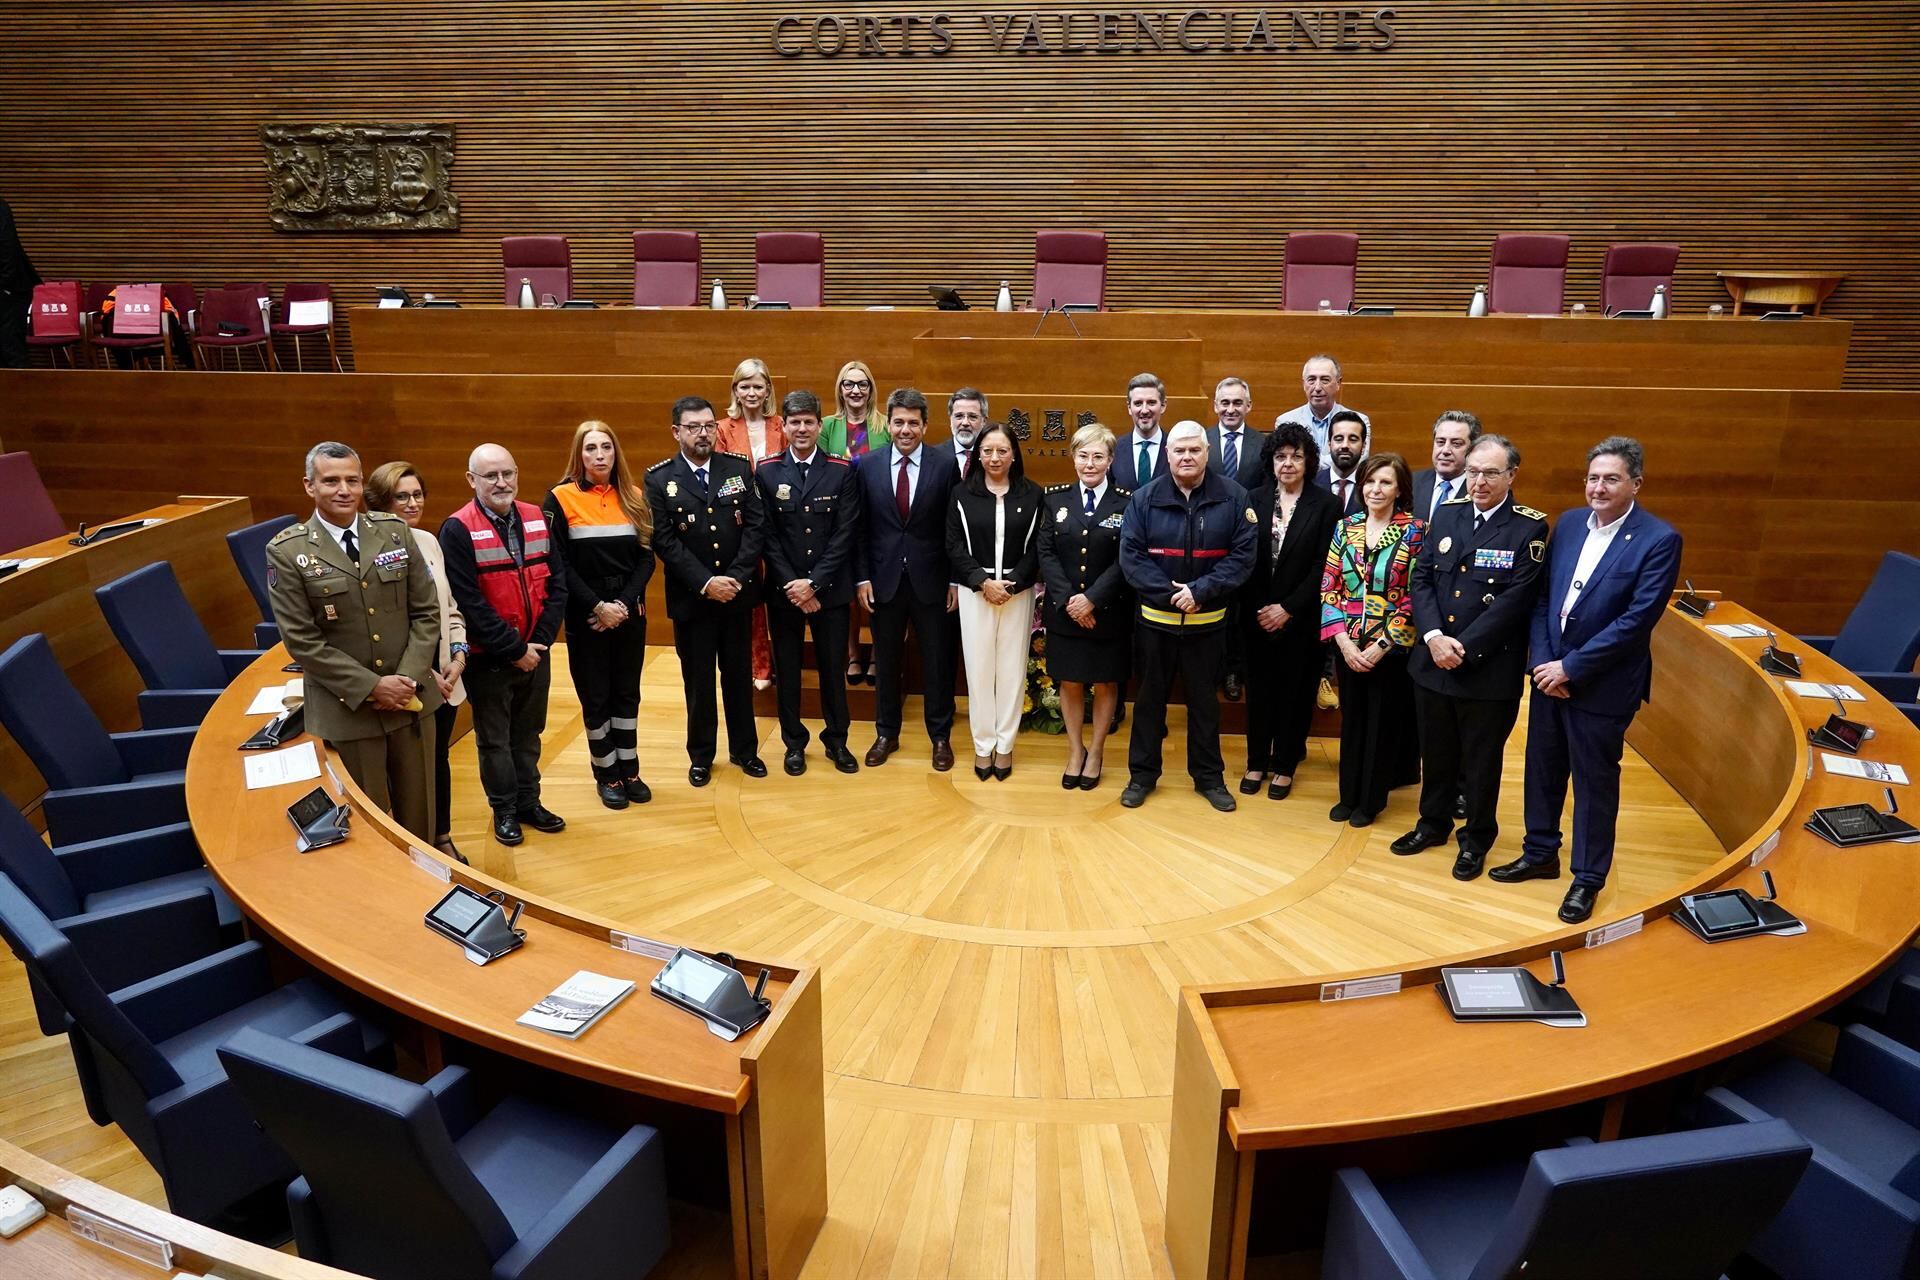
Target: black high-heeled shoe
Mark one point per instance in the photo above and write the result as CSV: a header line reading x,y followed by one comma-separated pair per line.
x,y
983,771
1251,786
1003,771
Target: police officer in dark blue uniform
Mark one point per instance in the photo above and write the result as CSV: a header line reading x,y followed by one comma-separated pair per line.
x,y
1186,546
1474,588
813,515
707,533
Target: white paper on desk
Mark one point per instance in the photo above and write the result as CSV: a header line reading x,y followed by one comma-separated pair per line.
x,y
1737,630
271,701
1871,770
277,768
1815,689
317,311
388,304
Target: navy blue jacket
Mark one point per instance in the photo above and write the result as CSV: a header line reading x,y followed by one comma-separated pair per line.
x,y
889,551
1207,541
1606,646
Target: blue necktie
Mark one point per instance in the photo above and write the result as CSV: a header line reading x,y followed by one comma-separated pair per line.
x,y
1089,494
1231,454
1440,494
1143,466
700,478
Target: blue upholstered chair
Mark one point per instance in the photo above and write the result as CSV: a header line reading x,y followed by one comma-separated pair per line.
x,y
173,653
133,905
1890,1004
401,1180
98,783
1881,637
249,549
1857,1212
1677,1206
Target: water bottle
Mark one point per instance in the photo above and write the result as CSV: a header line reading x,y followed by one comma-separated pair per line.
x,y
1478,307
1005,301
1326,306
1659,302
526,293
718,299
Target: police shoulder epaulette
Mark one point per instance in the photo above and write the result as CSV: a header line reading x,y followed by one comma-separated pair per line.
x,y
1059,488
1528,512
1454,502
840,458
731,454
1122,492
656,466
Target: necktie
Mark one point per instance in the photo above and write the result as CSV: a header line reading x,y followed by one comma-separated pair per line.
x,y
1479,521
803,474
353,547
1143,467
1344,485
700,478
1089,494
1230,456
1441,492
963,460
902,496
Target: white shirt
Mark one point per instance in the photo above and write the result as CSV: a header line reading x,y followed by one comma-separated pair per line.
x,y
1456,487
1479,518
339,534
1099,493
1317,427
1598,540
1238,437
913,471
1153,443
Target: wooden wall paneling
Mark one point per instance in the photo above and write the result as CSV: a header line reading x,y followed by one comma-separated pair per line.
x,y
130,147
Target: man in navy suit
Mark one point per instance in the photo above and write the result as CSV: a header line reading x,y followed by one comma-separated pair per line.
x,y
1610,570
1455,432
1233,447
900,562
1346,447
1141,454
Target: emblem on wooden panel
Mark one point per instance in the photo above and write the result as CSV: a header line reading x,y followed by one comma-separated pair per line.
x,y
360,177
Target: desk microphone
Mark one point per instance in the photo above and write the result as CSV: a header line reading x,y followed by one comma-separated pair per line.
x,y
1771,893
1559,970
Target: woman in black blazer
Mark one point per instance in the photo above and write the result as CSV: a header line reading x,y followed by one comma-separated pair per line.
x,y
1089,623
1280,608
990,546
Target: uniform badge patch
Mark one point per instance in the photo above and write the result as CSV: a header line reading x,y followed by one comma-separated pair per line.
x,y
301,560
387,559
1059,515
1493,558
333,614
1446,545
272,576
1252,518
1112,521
730,486
784,492
673,488
1537,549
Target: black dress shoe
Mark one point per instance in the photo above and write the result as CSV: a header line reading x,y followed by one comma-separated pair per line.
x,y
1220,799
638,791
1521,869
1279,790
699,774
1232,687
1467,866
843,760
1340,813
1360,818
1135,795
752,766
1418,840
541,818
1089,782
1251,786
1578,904
796,762
611,794
506,827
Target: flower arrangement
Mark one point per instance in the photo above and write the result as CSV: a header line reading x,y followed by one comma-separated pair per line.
x,y
1040,709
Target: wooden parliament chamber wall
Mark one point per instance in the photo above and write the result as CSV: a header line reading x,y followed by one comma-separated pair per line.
x,y
1770,135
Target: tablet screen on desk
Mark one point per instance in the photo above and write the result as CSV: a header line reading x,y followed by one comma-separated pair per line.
x,y
1721,912
1498,990
692,978
461,910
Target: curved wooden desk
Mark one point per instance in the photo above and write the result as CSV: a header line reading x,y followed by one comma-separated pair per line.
x,y
1270,1067
354,912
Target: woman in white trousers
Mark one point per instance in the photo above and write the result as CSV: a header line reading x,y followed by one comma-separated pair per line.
x,y
991,546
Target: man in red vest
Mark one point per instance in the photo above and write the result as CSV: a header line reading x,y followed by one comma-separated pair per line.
x,y
498,568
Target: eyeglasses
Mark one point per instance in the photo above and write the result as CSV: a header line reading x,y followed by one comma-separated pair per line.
x,y
409,499
1486,473
853,384
498,477
1611,482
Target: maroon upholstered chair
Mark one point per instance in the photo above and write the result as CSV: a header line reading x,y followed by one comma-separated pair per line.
x,y
56,321
233,319
1069,269
1528,273
132,339
1320,266
1631,274
27,513
284,326
666,268
544,261
790,267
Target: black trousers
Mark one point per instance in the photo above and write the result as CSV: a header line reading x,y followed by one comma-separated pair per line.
x,y
722,635
442,770
1283,674
1199,658
1377,731
509,715
787,628
1462,743
1564,740
934,632
605,666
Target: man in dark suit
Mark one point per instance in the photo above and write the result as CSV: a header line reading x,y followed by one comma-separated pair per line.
x,y
1610,570
1141,454
966,418
1473,592
900,564
1454,433
708,529
1233,449
17,278
813,517
1346,447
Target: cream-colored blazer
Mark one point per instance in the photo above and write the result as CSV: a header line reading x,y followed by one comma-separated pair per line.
x,y
453,627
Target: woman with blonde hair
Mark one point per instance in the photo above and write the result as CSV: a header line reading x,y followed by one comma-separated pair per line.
x,y
756,435
602,534
856,429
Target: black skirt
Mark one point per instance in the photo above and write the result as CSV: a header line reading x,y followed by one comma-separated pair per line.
x,y
1081,659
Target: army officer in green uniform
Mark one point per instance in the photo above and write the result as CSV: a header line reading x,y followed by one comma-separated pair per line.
x,y
358,612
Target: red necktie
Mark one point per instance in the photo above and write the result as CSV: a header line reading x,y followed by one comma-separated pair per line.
x,y
1343,494
902,496
963,465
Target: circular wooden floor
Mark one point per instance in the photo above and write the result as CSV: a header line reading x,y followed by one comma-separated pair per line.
x,y
1001,959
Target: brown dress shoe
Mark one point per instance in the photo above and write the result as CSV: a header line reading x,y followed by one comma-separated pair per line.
x,y
942,756
882,748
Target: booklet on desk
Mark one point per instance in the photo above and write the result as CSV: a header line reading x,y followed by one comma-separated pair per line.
x,y
1510,995
576,1004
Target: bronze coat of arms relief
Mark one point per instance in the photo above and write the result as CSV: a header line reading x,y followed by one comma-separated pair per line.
x,y
360,177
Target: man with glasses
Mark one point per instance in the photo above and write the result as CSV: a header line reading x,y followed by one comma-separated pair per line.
x,y
1473,592
1609,572
708,531
966,415
499,568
